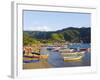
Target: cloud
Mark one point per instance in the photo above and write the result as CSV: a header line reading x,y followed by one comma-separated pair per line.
x,y
38,28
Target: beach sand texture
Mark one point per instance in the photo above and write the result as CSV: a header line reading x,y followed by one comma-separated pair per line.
x,y
36,65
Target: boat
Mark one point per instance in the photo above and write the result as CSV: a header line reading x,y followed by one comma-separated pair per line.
x,y
28,58
56,49
30,61
32,56
72,56
53,48
66,50
50,48
44,56
72,53
36,53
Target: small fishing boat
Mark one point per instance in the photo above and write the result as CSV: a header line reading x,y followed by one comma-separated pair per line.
x,y
50,48
77,58
72,53
56,49
66,50
35,53
32,56
27,58
72,56
44,56
30,61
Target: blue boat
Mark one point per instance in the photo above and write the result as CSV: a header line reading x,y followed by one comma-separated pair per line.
x,y
30,61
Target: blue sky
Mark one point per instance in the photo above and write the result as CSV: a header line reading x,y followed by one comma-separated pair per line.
x,y
52,21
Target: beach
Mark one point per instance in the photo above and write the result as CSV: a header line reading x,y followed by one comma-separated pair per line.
x,y
37,65
53,59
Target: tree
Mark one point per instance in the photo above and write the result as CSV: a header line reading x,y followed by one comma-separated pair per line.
x,y
56,36
27,40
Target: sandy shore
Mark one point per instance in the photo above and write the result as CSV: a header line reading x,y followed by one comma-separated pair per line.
x,y
37,65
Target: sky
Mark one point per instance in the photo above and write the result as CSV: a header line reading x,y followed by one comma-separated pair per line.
x,y
52,21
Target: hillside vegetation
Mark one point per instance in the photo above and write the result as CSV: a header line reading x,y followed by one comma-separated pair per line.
x,y
71,34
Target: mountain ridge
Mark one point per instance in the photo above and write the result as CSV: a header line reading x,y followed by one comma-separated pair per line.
x,y
70,34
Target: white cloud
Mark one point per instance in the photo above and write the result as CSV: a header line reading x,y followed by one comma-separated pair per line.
x,y
38,28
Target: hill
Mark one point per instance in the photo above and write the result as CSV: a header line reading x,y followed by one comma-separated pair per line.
x,y
70,34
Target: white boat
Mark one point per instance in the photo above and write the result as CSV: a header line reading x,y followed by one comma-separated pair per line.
x,y
64,50
72,56
72,53
77,58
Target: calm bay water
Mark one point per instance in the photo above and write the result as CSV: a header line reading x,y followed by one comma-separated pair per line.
x,y
56,60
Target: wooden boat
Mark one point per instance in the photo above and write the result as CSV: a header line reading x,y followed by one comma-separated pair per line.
x,y
32,56
43,56
64,50
77,58
50,48
72,56
72,53
35,53
30,61
27,58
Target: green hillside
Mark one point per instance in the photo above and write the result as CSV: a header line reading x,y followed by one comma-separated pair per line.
x,y
70,34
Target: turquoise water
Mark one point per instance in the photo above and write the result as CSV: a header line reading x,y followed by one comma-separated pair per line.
x,y
56,60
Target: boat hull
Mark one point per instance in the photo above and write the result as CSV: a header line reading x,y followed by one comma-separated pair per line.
x,y
72,59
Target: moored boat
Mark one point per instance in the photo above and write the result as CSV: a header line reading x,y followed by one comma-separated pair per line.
x,y
72,56
44,56
77,58
66,50
72,53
